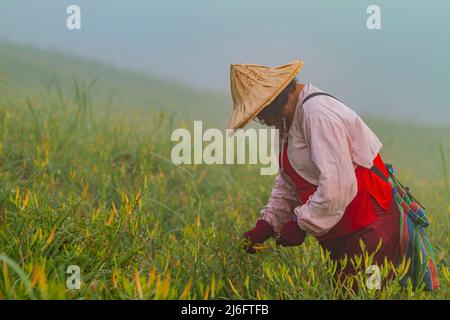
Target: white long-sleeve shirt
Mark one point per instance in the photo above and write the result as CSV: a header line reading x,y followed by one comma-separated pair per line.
x,y
327,141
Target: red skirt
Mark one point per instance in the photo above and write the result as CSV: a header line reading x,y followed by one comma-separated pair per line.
x,y
386,228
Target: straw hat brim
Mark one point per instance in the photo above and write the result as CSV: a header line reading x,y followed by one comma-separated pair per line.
x,y
297,66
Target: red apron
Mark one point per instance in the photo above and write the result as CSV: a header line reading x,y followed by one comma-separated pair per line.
x,y
371,215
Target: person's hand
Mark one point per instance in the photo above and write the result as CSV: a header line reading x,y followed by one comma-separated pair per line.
x,y
291,235
260,233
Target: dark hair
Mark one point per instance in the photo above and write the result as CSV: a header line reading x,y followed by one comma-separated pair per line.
x,y
274,108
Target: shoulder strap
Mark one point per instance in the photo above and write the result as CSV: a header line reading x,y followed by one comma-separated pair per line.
x,y
375,169
314,94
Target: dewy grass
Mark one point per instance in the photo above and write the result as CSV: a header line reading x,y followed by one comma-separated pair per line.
x,y
87,186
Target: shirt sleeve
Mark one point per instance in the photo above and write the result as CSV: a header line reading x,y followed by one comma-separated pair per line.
x,y
281,204
331,153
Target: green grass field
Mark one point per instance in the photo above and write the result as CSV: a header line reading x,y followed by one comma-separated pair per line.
x,y
87,180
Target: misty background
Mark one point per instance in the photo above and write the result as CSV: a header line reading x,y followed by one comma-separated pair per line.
x,y
401,71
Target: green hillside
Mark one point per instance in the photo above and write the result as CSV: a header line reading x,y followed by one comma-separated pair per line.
x,y
32,73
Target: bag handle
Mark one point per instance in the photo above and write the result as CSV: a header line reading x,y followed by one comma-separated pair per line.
x,y
378,172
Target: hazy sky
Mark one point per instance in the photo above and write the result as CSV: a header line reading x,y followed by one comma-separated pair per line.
x,y
401,70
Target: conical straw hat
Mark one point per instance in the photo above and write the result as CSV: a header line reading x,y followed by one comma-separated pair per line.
x,y
254,87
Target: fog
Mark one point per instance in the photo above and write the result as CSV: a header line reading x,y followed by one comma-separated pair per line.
x,y
401,71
